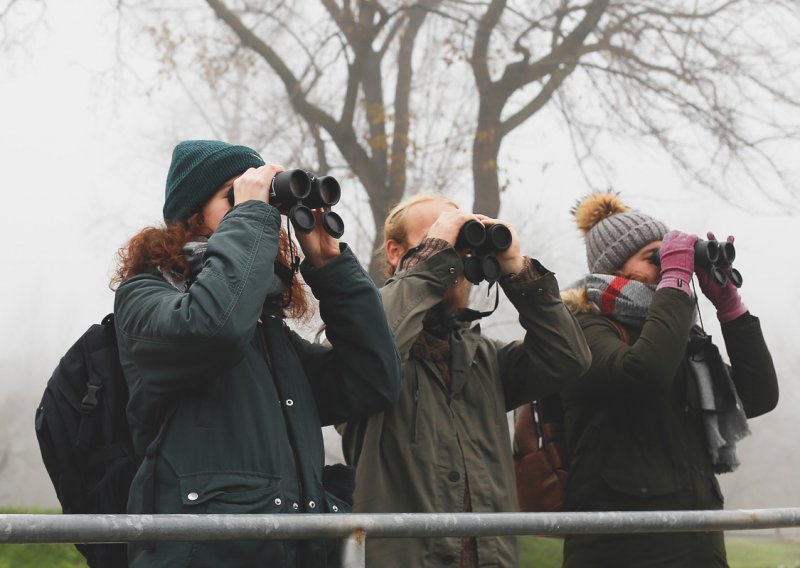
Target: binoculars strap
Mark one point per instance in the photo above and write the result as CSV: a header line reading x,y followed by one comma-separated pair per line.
x,y
468,314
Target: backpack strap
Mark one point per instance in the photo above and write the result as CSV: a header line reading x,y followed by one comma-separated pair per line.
x,y
93,387
622,331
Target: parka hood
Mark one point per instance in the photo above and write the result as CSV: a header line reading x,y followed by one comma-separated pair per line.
x,y
577,301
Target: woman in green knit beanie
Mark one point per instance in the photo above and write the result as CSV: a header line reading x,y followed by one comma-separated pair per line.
x,y
199,311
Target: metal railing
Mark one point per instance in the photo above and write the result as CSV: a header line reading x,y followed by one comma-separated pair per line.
x,y
355,528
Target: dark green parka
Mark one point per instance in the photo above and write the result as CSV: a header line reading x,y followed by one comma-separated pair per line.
x,y
249,395
635,442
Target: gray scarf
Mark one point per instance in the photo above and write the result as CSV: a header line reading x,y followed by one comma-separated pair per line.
x,y
723,416
194,252
627,300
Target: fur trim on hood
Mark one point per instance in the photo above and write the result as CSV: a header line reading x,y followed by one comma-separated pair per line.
x,y
577,302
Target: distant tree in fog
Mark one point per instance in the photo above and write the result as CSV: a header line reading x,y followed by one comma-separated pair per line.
x,y
18,20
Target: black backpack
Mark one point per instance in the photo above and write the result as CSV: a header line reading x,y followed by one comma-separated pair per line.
x,y
84,437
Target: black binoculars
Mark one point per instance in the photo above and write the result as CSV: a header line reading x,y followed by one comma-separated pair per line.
x,y
297,192
716,257
483,243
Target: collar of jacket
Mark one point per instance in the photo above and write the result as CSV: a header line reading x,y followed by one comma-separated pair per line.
x,y
463,346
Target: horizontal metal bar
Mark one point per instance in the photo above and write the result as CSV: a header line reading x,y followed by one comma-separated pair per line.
x,y
137,528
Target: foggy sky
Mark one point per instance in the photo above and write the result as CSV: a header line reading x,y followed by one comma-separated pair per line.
x,y
84,156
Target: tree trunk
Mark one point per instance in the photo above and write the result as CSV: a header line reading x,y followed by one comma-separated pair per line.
x,y
485,150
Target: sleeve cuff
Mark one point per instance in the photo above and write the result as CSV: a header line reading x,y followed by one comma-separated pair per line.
x,y
422,252
533,270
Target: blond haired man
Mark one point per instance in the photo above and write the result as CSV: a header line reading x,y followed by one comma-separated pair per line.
x,y
444,446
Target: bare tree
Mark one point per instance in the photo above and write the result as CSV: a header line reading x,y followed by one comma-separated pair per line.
x,y
391,91
18,20
347,74
705,81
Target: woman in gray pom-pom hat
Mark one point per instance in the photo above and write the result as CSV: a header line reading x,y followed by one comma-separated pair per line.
x,y
199,311
658,414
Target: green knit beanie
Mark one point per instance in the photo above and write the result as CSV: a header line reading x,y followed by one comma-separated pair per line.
x,y
198,169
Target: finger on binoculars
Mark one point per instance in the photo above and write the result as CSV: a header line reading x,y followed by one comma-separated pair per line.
x,y
710,236
489,221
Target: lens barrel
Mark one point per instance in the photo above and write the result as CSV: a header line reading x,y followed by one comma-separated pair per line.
x,y
289,187
498,237
471,235
325,192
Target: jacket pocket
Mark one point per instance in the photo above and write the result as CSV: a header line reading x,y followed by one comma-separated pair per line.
x,y
227,492
233,492
627,482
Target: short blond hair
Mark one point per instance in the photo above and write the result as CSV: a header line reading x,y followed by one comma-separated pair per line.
x,y
394,228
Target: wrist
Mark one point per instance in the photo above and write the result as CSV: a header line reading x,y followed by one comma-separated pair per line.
x,y
512,266
677,279
321,258
730,313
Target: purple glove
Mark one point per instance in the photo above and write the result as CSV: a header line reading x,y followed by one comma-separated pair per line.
x,y
677,261
727,300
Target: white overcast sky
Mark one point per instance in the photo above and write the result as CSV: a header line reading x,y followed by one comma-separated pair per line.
x,y
83,159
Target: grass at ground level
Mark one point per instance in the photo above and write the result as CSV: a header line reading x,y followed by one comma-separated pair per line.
x,y
742,552
535,552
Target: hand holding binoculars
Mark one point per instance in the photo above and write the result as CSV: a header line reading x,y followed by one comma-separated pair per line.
x,y
296,192
716,257
484,243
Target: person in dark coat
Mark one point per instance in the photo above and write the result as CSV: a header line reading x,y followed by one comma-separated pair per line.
x,y
658,414
209,360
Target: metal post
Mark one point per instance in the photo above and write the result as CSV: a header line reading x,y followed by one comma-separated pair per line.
x,y
354,549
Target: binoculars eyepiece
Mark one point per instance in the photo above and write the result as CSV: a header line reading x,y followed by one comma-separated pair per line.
x,y
483,243
298,192
716,257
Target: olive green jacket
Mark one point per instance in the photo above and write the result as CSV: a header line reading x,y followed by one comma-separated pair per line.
x,y
634,440
249,396
416,455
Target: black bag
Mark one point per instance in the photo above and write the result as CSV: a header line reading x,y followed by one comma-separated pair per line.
x,y
84,437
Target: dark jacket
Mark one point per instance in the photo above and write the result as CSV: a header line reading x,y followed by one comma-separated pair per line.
x,y
249,395
635,441
418,454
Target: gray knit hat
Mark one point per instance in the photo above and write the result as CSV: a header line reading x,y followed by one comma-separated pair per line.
x,y
613,232
198,169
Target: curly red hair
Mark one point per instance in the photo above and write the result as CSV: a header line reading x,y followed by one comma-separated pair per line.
x,y
160,248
